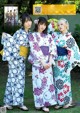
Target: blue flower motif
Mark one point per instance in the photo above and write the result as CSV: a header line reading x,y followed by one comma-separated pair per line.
x,y
59,84
70,42
66,100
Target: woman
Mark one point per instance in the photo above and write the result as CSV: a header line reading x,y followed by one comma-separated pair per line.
x,y
14,51
68,56
42,50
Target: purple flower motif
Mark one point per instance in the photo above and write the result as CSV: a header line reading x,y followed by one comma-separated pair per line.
x,y
53,36
44,80
40,101
37,91
31,38
41,70
46,104
36,76
36,47
38,38
50,40
51,88
43,35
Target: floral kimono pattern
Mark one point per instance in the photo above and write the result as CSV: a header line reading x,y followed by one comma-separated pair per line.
x,y
16,78
41,46
64,64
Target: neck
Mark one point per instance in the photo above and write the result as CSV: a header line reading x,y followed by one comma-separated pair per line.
x,y
39,31
26,29
64,32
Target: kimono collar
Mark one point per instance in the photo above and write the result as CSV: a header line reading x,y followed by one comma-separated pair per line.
x,y
65,34
41,34
24,30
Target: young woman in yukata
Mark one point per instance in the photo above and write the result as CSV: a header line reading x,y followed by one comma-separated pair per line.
x,y
68,57
42,49
14,51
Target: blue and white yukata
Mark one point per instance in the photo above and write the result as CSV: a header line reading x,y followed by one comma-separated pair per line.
x,y
41,47
14,92
65,62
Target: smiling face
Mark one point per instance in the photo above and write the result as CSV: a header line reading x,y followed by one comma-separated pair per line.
x,y
41,27
27,24
62,26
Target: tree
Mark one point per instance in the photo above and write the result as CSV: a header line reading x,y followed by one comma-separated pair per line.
x,y
54,1
30,10
19,2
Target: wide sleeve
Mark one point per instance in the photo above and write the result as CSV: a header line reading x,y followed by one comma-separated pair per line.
x,y
8,45
21,43
73,51
21,38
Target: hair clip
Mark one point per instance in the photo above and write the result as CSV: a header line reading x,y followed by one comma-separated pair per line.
x,y
36,21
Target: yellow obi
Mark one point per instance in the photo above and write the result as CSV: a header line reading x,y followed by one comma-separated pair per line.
x,y
23,51
1,52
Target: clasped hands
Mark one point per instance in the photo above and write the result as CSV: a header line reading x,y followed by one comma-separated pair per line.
x,y
46,65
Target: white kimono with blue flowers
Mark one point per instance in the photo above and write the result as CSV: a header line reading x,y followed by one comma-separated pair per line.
x,y
16,78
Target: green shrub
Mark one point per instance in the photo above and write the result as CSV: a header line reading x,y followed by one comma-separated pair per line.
x,y
76,34
28,64
11,29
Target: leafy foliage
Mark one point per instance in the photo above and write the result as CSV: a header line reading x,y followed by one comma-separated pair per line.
x,y
53,22
76,34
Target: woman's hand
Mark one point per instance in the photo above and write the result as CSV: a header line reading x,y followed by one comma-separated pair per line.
x,y
45,65
65,46
3,34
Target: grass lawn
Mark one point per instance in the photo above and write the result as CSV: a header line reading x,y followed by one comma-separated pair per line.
x,y
28,97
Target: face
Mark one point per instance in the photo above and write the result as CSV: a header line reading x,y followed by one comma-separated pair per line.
x,y
62,26
41,27
27,24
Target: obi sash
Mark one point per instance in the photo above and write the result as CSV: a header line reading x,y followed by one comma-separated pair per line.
x,y
61,51
45,50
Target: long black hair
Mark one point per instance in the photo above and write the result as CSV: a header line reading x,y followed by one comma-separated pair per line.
x,y
41,20
24,17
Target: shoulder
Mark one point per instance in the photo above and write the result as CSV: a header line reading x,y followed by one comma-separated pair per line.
x,y
33,33
31,36
55,35
69,36
49,35
18,31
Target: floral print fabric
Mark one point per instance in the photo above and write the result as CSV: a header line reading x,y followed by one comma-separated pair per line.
x,y
14,93
43,85
63,67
